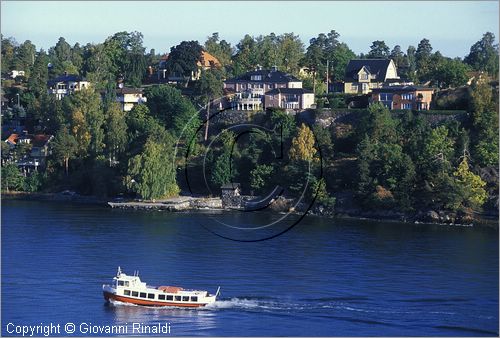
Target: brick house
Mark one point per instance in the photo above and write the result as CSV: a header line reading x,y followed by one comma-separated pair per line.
x,y
404,97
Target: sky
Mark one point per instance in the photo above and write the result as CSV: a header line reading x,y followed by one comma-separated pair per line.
x,y
451,26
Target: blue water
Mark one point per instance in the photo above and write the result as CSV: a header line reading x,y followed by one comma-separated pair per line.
x,y
322,278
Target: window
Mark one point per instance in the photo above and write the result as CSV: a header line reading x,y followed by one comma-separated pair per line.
x,y
194,299
126,283
364,76
143,294
121,283
135,294
385,97
354,87
126,292
161,297
185,298
408,96
406,105
178,298
151,295
170,297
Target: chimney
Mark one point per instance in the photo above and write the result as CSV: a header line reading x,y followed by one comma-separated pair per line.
x,y
65,73
275,68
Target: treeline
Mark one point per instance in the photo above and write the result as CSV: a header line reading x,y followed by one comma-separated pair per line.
x,y
401,161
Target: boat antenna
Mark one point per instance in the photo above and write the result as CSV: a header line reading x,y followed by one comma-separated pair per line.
x,y
119,272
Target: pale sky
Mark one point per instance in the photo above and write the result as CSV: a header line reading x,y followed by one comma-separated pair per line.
x,y
451,26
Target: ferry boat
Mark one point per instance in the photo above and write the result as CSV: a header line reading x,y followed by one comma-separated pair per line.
x,y
130,289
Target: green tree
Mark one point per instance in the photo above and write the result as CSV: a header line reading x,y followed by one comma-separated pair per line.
x,y
483,55
398,57
450,73
221,49
259,177
378,50
423,59
151,174
183,59
64,147
25,57
8,54
246,57
12,179
116,132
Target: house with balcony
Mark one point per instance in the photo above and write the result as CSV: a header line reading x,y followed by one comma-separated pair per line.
x,y
248,91
128,98
66,84
404,97
362,76
289,98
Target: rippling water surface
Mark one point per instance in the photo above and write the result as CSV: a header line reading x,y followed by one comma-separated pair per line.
x,y
323,278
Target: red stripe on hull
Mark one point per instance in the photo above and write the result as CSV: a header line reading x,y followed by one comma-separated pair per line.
x,y
145,302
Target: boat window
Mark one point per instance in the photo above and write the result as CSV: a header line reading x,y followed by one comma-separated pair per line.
x,y
143,294
185,298
135,294
126,283
126,292
120,283
178,298
194,298
151,295
161,297
169,297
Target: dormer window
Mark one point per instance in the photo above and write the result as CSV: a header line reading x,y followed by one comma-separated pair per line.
x,y
256,77
364,76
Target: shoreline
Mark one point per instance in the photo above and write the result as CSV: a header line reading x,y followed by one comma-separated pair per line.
x,y
188,203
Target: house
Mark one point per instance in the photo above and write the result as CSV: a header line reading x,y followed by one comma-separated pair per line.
x,y
289,98
16,73
40,149
404,97
361,76
66,84
128,98
248,90
207,61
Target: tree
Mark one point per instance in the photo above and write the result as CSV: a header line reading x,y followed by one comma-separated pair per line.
x,y
472,186
25,57
87,120
151,174
339,58
398,56
423,59
175,112
291,50
259,176
246,57
12,179
8,54
64,147
116,132
183,59
483,55
37,82
209,88
221,49
378,50
450,73
303,145
484,125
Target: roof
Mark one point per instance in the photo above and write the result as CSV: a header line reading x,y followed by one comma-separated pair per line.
x,y
230,186
402,89
66,78
374,66
12,139
296,91
38,140
128,90
267,76
208,60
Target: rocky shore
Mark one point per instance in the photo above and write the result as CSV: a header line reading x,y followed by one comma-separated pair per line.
x,y
188,203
